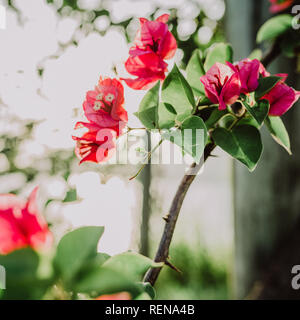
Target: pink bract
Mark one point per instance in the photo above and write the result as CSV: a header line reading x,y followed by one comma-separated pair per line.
x,y
248,71
153,44
280,5
21,225
222,85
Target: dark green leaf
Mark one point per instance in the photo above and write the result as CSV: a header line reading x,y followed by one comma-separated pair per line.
x,y
278,132
259,111
131,265
148,110
194,71
215,116
22,278
219,52
146,287
166,116
181,117
274,27
265,85
177,92
243,143
191,137
75,248
106,281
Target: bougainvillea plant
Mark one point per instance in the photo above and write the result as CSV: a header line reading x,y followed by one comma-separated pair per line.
x,y
229,101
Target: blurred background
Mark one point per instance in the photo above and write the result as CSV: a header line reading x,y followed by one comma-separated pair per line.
x,y
52,52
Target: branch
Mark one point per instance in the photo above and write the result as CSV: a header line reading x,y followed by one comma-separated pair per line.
x,y
163,249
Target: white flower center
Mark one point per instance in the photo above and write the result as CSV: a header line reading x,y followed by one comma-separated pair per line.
x,y
110,97
99,96
97,105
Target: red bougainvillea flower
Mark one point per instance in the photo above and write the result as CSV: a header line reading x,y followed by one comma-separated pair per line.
x,y
281,98
248,71
280,5
21,225
96,145
222,85
117,296
107,118
105,105
153,44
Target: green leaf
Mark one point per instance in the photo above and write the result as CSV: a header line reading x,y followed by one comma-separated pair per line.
x,y
215,116
166,116
75,248
243,143
181,117
177,92
279,132
106,281
194,71
265,85
259,111
148,109
191,137
274,27
147,288
130,264
22,279
143,296
219,52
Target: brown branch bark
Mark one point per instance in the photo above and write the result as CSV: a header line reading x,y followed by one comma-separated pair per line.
x,y
163,249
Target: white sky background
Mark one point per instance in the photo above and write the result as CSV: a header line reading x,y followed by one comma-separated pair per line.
x,y
54,98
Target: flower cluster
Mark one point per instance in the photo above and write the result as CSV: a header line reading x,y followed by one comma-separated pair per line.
x,y
280,5
21,225
224,83
107,119
153,44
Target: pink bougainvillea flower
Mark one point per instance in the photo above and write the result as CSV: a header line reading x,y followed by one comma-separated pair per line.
x,y
281,98
153,44
21,225
116,296
96,145
107,118
248,71
280,5
105,104
222,85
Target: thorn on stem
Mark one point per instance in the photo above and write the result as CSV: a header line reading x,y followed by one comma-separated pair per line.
x,y
169,264
166,218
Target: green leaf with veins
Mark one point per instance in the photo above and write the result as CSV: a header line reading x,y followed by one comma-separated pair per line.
x,y
265,85
177,92
279,132
219,52
194,71
259,111
148,109
242,143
